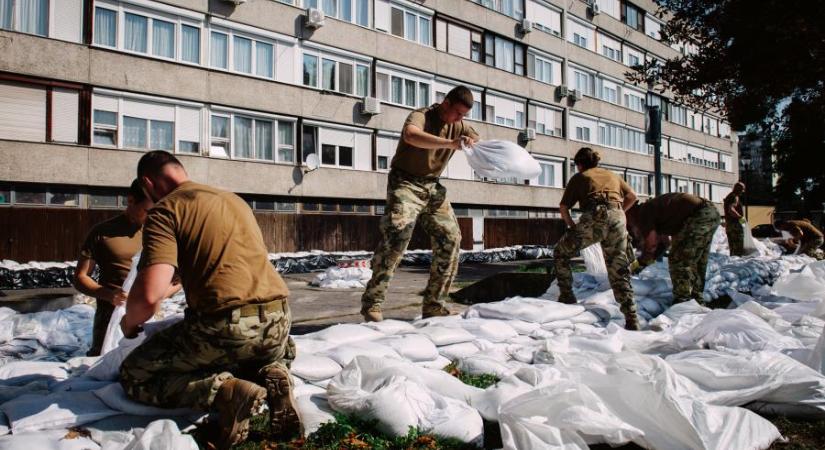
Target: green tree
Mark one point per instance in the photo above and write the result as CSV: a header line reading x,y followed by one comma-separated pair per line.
x,y
761,62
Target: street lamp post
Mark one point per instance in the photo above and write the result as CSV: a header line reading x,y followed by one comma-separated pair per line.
x,y
653,135
746,162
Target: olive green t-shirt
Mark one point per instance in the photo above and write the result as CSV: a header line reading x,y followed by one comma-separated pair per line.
x,y
732,201
666,214
429,162
212,238
594,185
112,244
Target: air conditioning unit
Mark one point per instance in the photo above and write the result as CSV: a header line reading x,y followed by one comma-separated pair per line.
x,y
371,106
315,18
236,2
595,9
575,95
562,92
529,134
526,25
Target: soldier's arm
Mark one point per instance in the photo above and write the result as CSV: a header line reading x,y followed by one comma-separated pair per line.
x,y
730,211
415,136
649,245
149,289
85,284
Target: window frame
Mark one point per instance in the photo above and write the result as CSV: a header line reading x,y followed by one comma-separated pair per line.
x,y
231,116
355,62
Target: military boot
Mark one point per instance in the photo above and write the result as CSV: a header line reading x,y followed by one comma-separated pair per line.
x,y
372,316
284,422
568,299
631,322
434,310
236,402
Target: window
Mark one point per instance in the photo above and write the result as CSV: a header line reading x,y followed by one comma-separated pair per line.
x,y
633,16
252,138
610,93
219,136
249,55
63,197
677,114
219,50
135,33
639,182
148,134
633,60
309,143
190,44
242,49
551,172
512,8
544,17
583,82
310,70
579,40
163,39
362,80
105,27
105,128
583,134
328,74
102,201
504,54
26,16
410,25
335,155
634,101
344,10
336,74
612,53
403,90
610,135
5,195
383,163
544,120
30,195
286,142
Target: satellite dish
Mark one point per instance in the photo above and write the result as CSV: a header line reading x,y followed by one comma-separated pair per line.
x,y
312,162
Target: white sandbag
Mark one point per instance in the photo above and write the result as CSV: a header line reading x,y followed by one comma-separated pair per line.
x,y
344,354
412,347
160,434
57,410
734,329
46,440
399,395
489,329
39,387
19,373
457,351
308,345
114,397
817,358
523,327
441,336
525,308
314,367
610,343
594,264
314,411
107,368
345,333
489,401
309,389
586,317
480,364
501,159
438,364
803,286
343,278
391,326
557,325
113,332
565,415
751,245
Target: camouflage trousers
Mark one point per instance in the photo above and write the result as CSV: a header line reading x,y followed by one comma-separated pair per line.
x,y
606,225
736,238
412,199
689,250
103,313
185,364
810,246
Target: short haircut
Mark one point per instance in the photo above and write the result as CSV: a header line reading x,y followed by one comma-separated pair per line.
x,y
587,158
461,95
136,191
151,164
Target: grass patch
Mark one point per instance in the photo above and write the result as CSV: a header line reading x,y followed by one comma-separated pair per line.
x,y
801,434
531,268
482,381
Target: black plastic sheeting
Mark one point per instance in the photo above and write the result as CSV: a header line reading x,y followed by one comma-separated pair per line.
x,y
57,277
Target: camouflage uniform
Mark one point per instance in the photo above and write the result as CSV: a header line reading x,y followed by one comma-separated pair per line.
x,y
185,364
811,246
603,223
736,237
689,253
409,199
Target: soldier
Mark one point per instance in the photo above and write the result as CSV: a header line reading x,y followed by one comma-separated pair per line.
x,y
691,222
804,235
237,318
428,140
603,197
734,219
110,246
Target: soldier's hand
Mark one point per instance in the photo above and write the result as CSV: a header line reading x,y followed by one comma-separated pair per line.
x,y
129,331
119,297
636,267
742,220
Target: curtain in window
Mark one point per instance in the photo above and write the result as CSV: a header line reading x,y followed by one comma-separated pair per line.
x,y
328,74
423,95
409,26
504,55
6,14
243,54
243,137
345,78
424,30
397,90
263,59
220,127
135,33
409,89
362,12
134,132
218,50
310,70
263,140
163,38
162,135
362,80
34,16
330,8
286,142
105,26
190,44
346,10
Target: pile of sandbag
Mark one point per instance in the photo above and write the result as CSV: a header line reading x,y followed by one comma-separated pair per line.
x,y
343,278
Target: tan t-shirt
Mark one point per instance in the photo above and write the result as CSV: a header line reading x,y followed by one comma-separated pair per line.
x,y
732,201
212,238
112,244
594,185
666,214
426,162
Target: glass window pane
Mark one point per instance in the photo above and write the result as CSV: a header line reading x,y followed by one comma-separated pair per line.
x,y
409,26
105,24
382,162
33,16
64,198
134,132
328,74
328,154
409,93
345,156
105,118
30,195
285,132
105,137
397,22
286,154
362,81
102,200
163,38
191,44
6,15
330,8
218,50
188,147
310,70
243,54
423,94
424,30
220,127
243,137
135,33
362,12
308,141
162,135
345,78
263,139
383,86
264,63
346,10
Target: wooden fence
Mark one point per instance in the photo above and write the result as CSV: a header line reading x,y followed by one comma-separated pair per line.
x,y
506,232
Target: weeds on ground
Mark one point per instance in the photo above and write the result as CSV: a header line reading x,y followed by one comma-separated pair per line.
x,y
482,381
801,434
531,269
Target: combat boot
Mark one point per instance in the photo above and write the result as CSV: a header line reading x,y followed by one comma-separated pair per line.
x,y
284,422
567,299
631,322
236,402
372,316
434,311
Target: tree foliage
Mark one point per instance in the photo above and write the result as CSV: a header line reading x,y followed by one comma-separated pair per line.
x,y
761,63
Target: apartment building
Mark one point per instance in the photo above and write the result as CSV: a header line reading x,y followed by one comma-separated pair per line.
x,y
244,90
